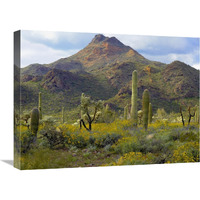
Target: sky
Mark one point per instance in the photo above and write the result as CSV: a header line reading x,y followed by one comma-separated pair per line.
x,y
45,47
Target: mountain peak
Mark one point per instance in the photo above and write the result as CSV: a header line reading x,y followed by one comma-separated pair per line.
x,y
98,38
110,40
114,41
103,50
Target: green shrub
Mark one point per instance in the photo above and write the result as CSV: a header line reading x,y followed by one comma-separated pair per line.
x,y
23,141
108,139
184,134
80,142
54,137
126,144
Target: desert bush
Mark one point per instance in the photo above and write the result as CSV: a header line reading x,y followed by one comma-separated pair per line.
x,y
48,121
54,136
46,158
107,139
82,139
184,134
79,139
186,152
135,158
126,144
23,141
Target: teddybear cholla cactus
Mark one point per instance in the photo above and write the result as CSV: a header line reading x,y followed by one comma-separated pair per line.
x,y
150,113
145,108
40,105
34,121
86,104
134,98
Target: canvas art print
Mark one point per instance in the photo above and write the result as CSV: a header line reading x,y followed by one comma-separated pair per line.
x,y
87,100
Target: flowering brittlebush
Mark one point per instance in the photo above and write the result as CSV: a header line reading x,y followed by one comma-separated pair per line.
x,y
134,158
188,152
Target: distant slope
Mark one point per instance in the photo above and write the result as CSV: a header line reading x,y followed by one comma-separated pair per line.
x,y
70,65
63,88
35,70
181,80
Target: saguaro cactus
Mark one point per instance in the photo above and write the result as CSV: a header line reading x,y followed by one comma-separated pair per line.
x,y
150,113
40,105
63,115
126,112
34,121
134,98
145,108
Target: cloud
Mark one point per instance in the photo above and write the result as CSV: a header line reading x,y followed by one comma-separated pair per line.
x,y
190,59
197,66
164,49
159,44
46,47
40,53
59,40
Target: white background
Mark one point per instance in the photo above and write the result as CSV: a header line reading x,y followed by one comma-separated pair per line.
x,y
167,18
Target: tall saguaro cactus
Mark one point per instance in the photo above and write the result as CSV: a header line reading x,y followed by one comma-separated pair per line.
x,y
145,108
134,98
34,121
150,113
40,105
